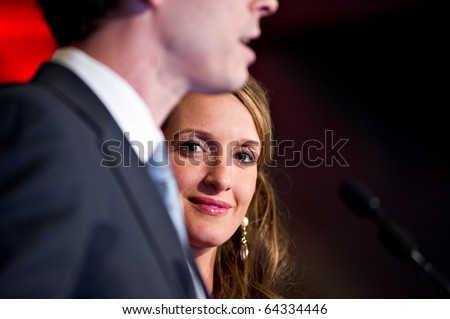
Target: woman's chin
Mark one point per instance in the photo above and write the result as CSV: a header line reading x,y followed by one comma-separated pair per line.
x,y
205,244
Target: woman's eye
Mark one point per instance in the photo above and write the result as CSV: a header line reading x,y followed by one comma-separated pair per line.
x,y
245,158
190,147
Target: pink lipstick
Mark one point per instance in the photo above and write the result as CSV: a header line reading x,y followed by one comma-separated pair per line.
x,y
210,206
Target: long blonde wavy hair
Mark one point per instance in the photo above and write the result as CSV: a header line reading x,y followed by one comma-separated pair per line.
x,y
263,273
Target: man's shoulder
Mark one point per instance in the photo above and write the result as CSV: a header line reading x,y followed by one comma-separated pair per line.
x,y
15,89
48,74
13,95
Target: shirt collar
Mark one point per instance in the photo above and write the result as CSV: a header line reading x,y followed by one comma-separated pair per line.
x,y
122,101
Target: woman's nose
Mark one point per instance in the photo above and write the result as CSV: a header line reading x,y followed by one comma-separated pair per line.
x,y
219,174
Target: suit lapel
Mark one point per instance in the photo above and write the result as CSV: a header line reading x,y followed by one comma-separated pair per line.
x,y
133,178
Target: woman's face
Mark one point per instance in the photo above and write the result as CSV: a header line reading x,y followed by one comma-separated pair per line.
x,y
214,151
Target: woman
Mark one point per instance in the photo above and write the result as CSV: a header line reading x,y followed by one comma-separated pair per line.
x,y
220,151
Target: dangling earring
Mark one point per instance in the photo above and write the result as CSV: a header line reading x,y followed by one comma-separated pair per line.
x,y
244,248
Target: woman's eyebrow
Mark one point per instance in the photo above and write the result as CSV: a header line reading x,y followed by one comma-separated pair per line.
x,y
247,143
250,143
197,133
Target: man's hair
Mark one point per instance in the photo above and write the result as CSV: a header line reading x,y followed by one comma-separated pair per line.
x,y
74,20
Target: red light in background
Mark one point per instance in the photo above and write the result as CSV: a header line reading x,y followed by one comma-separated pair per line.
x,y
25,40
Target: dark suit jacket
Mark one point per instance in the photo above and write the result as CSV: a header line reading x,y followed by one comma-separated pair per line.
x,y
79,215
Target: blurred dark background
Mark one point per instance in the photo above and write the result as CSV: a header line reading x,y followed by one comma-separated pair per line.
x,y
369,72
372,72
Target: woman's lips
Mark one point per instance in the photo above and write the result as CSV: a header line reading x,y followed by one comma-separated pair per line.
x,y
210,206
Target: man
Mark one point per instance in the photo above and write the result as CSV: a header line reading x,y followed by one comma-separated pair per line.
x,y
80,212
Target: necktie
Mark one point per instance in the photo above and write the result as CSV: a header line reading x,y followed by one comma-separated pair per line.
x,y
162,174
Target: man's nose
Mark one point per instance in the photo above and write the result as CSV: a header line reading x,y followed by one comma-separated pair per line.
x,y
266,7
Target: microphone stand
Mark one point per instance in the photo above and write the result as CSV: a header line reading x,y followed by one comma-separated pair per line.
x,y
394,238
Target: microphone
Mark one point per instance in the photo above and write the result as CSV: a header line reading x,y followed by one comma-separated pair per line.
x,y
398,241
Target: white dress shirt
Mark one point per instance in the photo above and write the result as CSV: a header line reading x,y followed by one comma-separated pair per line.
x,y
123,102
